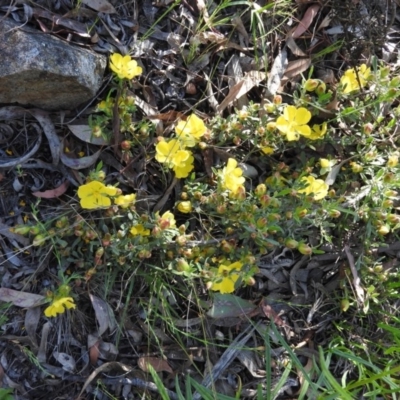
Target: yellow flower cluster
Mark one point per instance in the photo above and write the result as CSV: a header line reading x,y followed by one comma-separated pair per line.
x,y
226,277
231,177
96,194
173,153
293,124
349,80
124,67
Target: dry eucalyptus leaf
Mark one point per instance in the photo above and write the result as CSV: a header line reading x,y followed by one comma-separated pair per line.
x,y
80,163
104,314
100,5
158,364
20,299
278,69
68,363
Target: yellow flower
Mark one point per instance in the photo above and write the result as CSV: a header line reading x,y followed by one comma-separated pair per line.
x,y
349,79
267,150
166,150
293,122
126,200
325,163
231,176
226,280
182,163
58,306
124,66
317,187
393,160
167,220
190,131
95,195
139,230
185,207
317,131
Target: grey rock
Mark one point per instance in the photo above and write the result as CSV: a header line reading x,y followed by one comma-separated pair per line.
x,y
40,70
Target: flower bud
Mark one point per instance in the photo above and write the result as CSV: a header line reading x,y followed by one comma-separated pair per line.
x,y
226,247
250,281
21,229
230,231
356,168
310,85
185,207
203,145
275,202
99,252
34,230
393,218
269,107
260,190
344,304
334,213
78,232
271,126
197,195
321,88
106,241
261,222
38,240
368,128
387,203
291,243
96,131
265,200
301,213
395,82
289,214
156,232
182,265
126,145
389,177
304,249
221,209
277,99
393,160
384,230
170,255
181,240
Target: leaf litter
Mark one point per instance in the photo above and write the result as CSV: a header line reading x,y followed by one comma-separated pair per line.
x,y
49,172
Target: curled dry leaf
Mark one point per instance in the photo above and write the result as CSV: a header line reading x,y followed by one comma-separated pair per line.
x,y
158,364
53,193
80,163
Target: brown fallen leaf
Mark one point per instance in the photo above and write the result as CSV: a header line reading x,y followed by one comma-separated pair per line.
x,y
53,193
306,21
270,313
158,364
